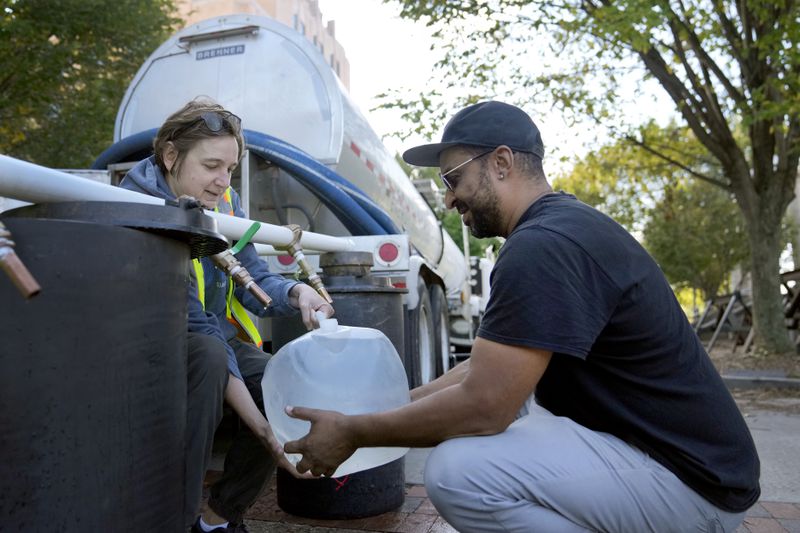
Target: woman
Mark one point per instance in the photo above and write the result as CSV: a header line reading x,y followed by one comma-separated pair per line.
x,y
195,151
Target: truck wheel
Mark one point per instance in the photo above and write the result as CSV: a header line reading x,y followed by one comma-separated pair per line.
x,y
420,348
441,329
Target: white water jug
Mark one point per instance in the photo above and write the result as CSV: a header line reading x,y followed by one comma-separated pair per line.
x,y
351,370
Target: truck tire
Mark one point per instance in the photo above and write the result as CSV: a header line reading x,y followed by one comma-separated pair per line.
x,y
420,349
441,329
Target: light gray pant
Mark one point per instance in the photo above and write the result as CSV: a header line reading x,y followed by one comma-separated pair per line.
x,y
549,474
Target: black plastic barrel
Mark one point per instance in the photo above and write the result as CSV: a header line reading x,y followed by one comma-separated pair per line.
x,y
361,300
93,372
360,494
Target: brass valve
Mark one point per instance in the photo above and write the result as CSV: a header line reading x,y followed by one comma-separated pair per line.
x,y
228,263
296,250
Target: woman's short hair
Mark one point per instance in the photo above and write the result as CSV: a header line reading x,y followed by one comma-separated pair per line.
x,y
192,123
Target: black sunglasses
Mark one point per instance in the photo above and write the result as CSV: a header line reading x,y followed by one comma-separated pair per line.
x,y
215,120
448,183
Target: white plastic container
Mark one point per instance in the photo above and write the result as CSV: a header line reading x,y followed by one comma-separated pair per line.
x,y
351,370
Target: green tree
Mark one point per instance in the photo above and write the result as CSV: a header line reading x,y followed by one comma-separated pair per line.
x,y
697,236
624,180
64,67
693,229
726,67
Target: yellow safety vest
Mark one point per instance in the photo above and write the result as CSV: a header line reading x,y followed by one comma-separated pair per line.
x,y
234,310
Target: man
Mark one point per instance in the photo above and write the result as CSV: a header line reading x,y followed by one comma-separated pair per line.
x,y
632,428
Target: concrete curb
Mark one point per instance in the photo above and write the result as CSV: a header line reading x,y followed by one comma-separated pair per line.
x,y
760,382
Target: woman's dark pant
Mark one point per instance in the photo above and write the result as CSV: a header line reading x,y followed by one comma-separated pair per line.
x,y
248,464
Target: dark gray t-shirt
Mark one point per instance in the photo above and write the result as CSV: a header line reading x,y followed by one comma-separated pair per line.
x,y
625,360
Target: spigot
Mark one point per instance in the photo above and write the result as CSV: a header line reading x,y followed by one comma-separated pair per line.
x,y
228,263
14,268
296,250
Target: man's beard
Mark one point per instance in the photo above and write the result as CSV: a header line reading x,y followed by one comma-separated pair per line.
x,y
484,211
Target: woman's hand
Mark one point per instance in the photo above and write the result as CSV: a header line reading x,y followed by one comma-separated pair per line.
x,y
270,442
308,301
238,397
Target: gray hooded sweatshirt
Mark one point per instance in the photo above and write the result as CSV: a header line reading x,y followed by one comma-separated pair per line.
x,y
145,177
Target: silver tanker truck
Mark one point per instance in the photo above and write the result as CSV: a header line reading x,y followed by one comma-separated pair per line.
x,y
313,160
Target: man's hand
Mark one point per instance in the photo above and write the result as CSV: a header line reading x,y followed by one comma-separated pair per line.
x,y
327,444
308,301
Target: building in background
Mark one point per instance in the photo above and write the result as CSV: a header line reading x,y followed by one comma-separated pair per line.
x,y
302,15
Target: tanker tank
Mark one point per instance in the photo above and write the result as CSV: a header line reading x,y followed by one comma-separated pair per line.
x,y
281,85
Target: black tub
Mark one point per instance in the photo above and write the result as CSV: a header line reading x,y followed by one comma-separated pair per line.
x,y
93,374
361,300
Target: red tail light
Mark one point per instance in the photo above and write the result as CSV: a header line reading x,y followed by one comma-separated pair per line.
x,y
388,252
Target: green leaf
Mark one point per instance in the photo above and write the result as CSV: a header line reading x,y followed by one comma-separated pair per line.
x,y
64,67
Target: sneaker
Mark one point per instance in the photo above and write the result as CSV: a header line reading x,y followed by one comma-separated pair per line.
x,y
231,528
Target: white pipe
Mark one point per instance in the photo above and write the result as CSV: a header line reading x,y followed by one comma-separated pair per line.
x,y
34,183
235,227
266,249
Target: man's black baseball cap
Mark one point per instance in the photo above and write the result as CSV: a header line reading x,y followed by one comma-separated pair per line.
x,y
488,124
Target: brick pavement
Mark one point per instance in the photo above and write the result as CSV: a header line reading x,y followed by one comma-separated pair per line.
x,y
772,517
417,515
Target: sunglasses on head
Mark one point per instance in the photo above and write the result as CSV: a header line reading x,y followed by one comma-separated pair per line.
x,y
215,120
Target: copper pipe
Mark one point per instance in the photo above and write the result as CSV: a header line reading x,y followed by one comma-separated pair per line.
x,y
228,263
14,268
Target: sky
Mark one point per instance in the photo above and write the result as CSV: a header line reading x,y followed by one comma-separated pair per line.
x,y
386,52
401,57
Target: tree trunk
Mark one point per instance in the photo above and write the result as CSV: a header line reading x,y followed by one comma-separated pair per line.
x,y
771,334
794,212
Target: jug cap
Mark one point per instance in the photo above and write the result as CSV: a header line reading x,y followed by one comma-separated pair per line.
x,y
326,324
